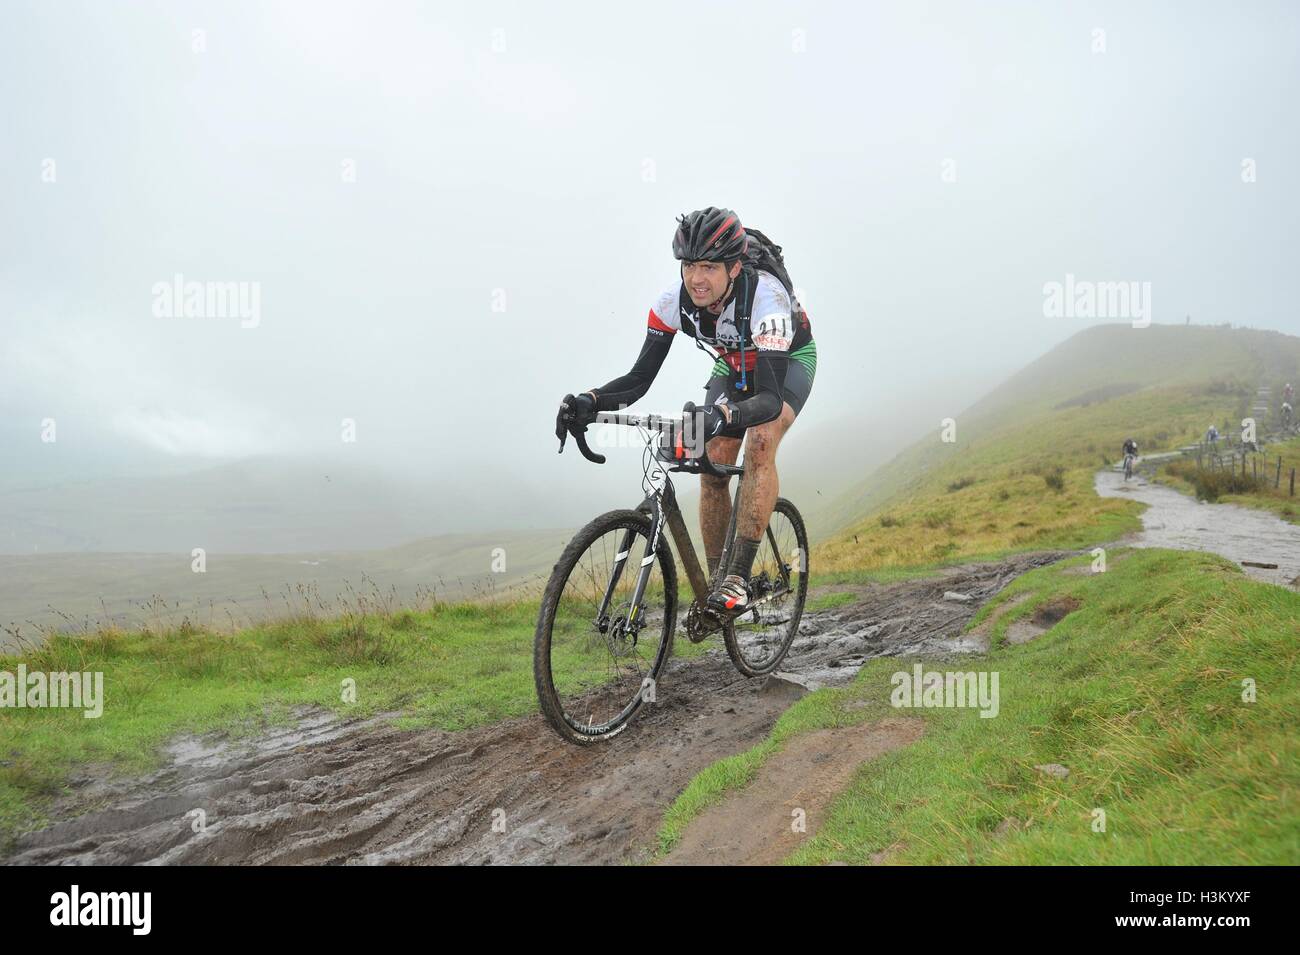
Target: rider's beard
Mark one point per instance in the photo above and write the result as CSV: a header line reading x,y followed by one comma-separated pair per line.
x,y
717,307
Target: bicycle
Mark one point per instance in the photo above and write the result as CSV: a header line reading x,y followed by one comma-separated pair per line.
x,y
1129,461
604,635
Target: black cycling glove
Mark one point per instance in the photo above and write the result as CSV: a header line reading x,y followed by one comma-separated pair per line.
x,y
712,421
578,411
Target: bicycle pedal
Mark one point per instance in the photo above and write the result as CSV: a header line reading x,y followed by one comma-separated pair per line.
x,y
722,617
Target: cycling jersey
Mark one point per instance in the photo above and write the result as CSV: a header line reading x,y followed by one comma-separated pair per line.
x,y
774,324
777,330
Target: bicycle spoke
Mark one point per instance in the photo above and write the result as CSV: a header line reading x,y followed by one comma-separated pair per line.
x,y
760,637
599,662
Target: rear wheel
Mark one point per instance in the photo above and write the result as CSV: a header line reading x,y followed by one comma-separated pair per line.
x,y
758,640
593,666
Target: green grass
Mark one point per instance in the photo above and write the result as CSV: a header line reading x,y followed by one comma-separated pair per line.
x,y
1070,408
1024,485
819,602
1138,692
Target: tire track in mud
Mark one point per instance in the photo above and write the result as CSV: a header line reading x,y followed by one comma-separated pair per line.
x,y
752,826
366,792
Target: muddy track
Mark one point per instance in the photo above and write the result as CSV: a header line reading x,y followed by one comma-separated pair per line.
x,y
365,792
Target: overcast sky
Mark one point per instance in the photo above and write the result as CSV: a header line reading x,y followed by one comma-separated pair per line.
x,y
452,214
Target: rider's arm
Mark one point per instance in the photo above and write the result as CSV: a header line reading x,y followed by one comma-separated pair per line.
x,y
768,384
625,389
773,332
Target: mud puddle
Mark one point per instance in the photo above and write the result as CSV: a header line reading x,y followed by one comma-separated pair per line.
x,y
366,792
1180,522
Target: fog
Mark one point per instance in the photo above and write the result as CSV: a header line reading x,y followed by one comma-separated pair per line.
x,y
443,217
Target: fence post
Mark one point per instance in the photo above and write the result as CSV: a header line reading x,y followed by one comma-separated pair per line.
x,y
1277,481
1293,482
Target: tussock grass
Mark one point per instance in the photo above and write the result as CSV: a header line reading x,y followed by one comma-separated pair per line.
x,y
1210,485
1231,488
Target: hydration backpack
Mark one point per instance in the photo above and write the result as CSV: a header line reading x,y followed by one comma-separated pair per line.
x,y
765,255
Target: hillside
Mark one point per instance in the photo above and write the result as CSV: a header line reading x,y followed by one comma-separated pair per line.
x,y
1018,478
1019,474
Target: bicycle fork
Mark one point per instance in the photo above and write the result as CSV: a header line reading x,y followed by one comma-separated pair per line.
x,y
643,578
632,623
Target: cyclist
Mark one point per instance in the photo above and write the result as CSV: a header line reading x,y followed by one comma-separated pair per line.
x,y
1212,436
765,356
1288,394
1130,449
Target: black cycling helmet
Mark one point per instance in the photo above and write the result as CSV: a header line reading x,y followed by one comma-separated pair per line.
x,y
709,235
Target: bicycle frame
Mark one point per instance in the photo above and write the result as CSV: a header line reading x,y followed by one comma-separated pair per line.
x,y
661,501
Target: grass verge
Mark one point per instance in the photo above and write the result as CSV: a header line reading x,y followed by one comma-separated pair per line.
x,y
1138,692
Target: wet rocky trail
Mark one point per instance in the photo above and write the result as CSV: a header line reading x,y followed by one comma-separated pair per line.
x,y
1244,535
366,792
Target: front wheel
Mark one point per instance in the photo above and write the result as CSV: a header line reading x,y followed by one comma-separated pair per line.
x,y
758,639
596,659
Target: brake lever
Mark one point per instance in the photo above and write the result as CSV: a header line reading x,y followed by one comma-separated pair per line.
x,y
562,432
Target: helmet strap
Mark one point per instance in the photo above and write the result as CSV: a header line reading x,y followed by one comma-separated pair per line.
x,y
731,283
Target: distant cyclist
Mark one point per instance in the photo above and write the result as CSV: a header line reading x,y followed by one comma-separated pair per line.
x,y
1212,436
1130,457
1288,394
